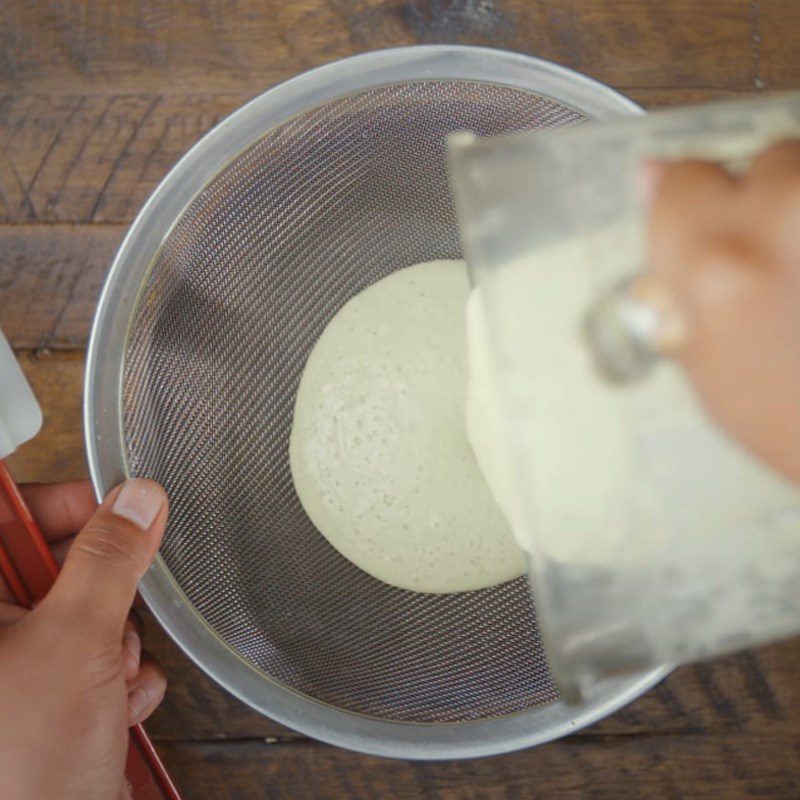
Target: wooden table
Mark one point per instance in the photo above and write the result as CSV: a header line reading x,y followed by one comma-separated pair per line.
x,y
98,100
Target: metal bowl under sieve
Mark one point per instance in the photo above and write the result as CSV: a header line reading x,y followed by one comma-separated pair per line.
x,y
262,231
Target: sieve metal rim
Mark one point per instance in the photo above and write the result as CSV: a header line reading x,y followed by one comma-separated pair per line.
x,y
103,394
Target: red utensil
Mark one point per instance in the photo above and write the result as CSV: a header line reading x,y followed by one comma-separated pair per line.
x,y
28,566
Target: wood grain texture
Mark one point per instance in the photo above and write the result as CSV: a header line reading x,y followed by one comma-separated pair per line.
x,y
57,453
99,99
50,279
728,767
776,43
177,45
95,107
97,158
75,163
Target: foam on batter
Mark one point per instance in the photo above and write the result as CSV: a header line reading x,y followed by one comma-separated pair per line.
x,y
379,453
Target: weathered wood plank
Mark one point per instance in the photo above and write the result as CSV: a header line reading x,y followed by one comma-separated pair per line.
x,y
95,158
243,46
57,453
776,43
50,279
725,767
50,275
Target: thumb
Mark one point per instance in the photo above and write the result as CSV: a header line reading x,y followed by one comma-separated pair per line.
x,y
98,581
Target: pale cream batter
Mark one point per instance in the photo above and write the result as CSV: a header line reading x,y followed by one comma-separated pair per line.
x,y
379,453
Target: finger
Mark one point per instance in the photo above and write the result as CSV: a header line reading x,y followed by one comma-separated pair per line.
x,y
125,793
61,509
777,166
131,650
773,196
690,193
6,595
146,690
108,558
690,202
61,548
671,330
135,619
722,290
10,613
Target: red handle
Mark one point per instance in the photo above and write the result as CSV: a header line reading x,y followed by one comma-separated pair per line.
x,y
29,566
29,569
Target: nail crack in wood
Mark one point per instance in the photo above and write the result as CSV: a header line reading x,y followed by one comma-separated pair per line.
x,y
755,44
29,350
590,738
6,203
155,148
22,185
112,172
758,685
724,706
151,155
52,201
56,140
67,223
269,741
582,739
638,87
71,286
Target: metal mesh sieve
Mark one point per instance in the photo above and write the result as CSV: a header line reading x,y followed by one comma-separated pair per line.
x,y
315,211
249,246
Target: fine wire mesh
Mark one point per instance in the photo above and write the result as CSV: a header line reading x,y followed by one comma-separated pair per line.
x,y
259,262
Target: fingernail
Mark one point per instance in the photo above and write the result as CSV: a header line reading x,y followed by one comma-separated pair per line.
x,y
668,330
673,333
139,502
138,700
133,645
